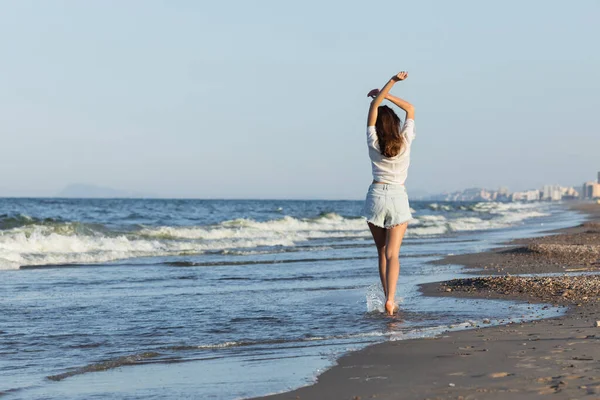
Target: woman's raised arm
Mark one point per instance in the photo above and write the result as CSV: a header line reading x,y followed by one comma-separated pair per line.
x,y
403,104
372,118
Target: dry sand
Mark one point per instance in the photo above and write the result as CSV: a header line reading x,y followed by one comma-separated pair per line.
x,y
558,357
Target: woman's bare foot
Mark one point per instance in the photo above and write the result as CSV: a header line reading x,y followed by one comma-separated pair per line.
x,y
390,307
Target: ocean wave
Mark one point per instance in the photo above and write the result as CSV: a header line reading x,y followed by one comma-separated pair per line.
x,y
166,354
135,359
27,241
482,207
325,226
480,216
8,221
41,245
256,262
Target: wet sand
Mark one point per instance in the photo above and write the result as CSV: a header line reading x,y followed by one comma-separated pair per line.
x,y
557,356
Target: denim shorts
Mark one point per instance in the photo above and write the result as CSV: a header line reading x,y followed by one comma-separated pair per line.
x,y
387,205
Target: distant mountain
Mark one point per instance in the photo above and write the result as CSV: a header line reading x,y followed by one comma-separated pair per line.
x,y
82,190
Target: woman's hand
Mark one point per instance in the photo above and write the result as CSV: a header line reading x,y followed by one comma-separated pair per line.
x,y
400,76
373,93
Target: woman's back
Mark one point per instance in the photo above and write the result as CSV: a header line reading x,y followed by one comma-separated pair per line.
x,y
391,170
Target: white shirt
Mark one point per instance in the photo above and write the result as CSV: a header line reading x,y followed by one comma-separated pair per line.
x,y
392,170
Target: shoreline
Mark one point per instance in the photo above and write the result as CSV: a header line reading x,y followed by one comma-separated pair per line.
x,y
521,360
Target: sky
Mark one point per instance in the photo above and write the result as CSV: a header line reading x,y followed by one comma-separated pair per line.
x,y
267,99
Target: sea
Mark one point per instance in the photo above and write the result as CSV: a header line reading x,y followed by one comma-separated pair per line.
x,y
225,299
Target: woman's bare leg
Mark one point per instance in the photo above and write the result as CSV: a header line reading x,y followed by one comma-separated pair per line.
x,y
379,236
392,253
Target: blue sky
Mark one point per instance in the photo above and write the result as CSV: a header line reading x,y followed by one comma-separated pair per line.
x,y
267,99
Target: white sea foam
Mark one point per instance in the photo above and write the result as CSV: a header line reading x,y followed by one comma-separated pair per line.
x,y
329,225
219,345
68,243
419,333
432,219
497,215
426,230
8,264
376,299
36,246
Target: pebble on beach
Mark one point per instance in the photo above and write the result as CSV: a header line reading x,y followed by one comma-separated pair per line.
x,y
570,289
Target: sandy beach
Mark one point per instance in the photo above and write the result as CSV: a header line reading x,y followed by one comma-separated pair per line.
x,y
556,356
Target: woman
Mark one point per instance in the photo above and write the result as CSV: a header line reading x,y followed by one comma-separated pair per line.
x,y
386,206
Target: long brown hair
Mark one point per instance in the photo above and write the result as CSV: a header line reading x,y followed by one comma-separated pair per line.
x,y
388,132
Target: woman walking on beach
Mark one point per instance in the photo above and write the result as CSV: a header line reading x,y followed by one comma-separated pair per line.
x,y
386,206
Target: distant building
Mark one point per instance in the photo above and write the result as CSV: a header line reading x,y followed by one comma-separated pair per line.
x,y
547,193
558,193
476,194
552,193
528,195
471,194
502,194
591,190
569,193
